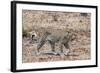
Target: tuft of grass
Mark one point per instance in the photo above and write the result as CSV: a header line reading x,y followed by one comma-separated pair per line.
x,y
84,14
25,33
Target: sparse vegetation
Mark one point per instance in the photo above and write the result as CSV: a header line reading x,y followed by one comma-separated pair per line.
x,y
25,33
83,14
42,21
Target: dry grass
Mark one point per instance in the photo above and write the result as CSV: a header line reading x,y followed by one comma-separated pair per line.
x,y
38,20
80,50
